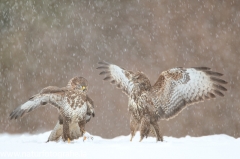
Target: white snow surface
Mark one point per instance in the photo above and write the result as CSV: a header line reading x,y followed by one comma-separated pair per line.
x,y
34,146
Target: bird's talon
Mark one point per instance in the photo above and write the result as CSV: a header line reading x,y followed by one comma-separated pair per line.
x,y
87,137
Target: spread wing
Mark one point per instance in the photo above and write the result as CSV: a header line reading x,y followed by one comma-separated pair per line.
x,y
179,87
47,95
119,76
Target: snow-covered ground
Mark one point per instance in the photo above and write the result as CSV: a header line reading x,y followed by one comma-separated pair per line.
x,y
34,146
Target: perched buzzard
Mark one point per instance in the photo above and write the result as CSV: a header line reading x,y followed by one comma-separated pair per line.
x,y
173,91
71,101
74,128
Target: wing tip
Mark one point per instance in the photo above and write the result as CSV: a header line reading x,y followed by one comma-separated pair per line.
x,y
218,93
107,78
212,95
214,77
15,114
211,73
202,68
103,63
218,80
20,112
219,87
102,67
104,72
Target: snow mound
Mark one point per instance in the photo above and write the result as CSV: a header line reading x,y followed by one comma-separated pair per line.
x,y
34,146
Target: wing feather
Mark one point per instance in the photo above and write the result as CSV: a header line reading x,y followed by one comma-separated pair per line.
x,y
179,87
47,95
90,108
119,76
53,89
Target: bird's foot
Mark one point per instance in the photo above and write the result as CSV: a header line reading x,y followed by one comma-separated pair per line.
x,y
66,138
160,139
87,136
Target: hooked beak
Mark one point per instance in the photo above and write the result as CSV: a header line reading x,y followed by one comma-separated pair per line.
x,y
84,88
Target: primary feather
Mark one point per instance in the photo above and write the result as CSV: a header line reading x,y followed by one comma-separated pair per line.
x,y
118,76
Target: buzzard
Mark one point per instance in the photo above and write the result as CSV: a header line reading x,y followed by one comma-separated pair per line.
x,y
71,101
74,128
175,89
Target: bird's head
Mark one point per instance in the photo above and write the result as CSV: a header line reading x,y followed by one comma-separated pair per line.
x,y
141,80
78,84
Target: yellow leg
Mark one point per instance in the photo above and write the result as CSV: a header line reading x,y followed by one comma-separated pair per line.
x,y
84,137
69,140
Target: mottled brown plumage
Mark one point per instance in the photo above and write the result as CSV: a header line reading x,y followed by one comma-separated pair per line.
x,y
72,103
173,91
74,128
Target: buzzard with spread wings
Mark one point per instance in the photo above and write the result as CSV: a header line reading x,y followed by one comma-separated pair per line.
x,y
71,101
175,89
